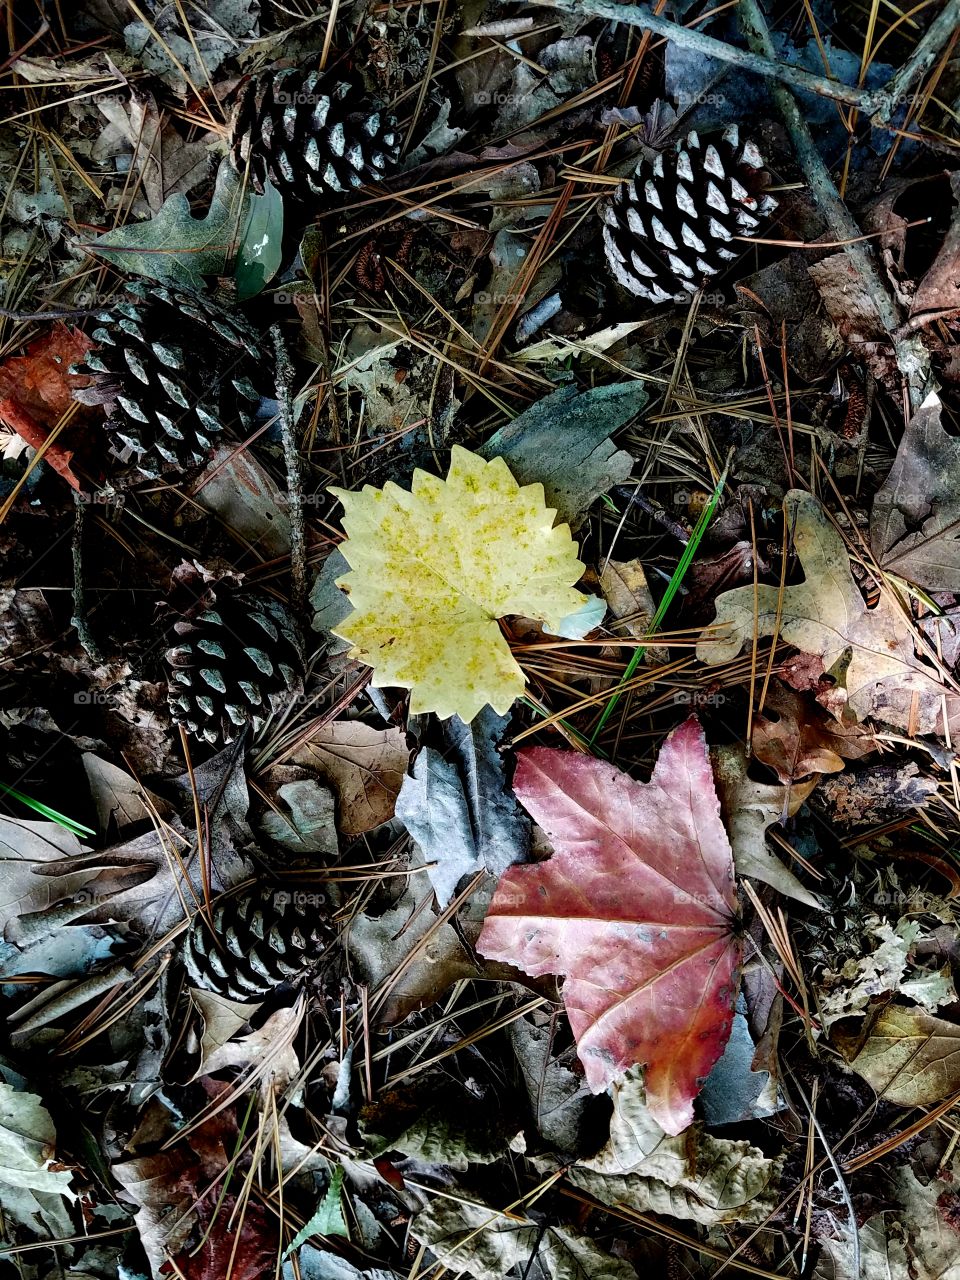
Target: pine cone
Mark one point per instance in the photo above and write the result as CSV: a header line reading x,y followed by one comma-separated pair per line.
x,y
170,368
672,225
264,938
312,135
237,654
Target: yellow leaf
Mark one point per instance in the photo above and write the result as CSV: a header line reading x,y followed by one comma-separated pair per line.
x,y
433,570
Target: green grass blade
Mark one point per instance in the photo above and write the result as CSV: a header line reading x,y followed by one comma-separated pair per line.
x,y
76,828
683,564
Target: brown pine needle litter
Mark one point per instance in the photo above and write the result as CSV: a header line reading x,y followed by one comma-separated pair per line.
x,y
479,640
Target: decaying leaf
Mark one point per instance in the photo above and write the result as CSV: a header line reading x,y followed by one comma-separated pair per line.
x,y
303,819
457,807
917,1239
365,766
240,492
866,976
825,616
35,393
694,1175
909,1057
406,949
435,1120
432,570
796,738
749,808
915,523
486,1243
32,1192
939,290
164,1188
874,795
636,908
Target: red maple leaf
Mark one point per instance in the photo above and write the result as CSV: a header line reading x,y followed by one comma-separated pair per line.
x,y
36,391
636,908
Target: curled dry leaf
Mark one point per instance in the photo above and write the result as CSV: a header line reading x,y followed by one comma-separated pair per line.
x,y
40,381
625,589
432,571
636,908
749,808
826,616
795,738
35,392
694,1176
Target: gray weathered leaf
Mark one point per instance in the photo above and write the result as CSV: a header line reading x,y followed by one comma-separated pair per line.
x,y
563,442
316,1264
331,605
560,1100
458,808
486,1243
915,522
309,825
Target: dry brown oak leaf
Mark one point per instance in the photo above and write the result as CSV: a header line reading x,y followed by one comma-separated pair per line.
x,y
795,737
826,616
636,907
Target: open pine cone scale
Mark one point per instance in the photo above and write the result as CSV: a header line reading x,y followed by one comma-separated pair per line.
x,y
234,662
314,136
676,223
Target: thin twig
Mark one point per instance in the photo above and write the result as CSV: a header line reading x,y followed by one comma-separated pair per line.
x,y
79,619
841,1183
639,15
71,313
288,425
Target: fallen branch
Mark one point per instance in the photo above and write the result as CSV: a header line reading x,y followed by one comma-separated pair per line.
x,y
79,619
869,101
288,425
928,49
912,357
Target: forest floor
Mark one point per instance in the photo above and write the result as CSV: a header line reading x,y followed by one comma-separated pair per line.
x,y
479,688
